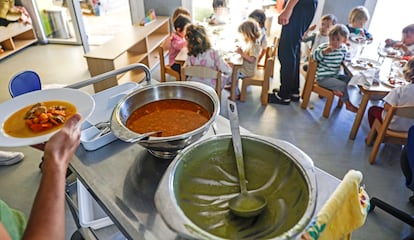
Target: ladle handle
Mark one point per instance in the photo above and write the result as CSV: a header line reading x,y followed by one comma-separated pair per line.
x,y
237,145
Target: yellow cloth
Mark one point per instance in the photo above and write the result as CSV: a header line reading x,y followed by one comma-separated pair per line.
x,y
344,212
7,10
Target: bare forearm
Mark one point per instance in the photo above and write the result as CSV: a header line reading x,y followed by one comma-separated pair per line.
x,y
247,57
47,219
284,16
48,210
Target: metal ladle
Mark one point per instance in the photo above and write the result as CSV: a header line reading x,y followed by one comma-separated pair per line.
x,y
144,136
245,204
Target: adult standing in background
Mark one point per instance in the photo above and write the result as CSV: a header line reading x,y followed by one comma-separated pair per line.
x,y
295,18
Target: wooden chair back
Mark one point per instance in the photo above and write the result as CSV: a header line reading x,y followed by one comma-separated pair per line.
x,y
203,72
268,25
165,68
381,133
262,76
269,52
311,85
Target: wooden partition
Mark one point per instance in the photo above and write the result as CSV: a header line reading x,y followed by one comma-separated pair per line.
x,y
139,44
16,36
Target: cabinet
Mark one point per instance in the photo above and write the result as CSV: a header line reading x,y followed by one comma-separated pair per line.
x,y
137,44
15,37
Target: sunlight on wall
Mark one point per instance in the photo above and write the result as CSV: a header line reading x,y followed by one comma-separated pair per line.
x,y
390,17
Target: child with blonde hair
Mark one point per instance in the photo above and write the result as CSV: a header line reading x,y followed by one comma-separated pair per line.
x,y
407,41
180,11
318,37
358,17
200,53
329,57
177,12
250,31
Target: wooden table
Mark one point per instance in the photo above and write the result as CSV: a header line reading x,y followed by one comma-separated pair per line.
x,y
374,91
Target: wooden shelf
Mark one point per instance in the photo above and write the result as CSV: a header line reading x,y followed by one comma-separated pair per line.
x,y
16,36
154,40
136,45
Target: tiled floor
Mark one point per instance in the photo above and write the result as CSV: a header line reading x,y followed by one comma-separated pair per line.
x,y
324,140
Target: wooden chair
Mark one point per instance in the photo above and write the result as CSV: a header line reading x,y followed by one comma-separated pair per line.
x,y
384,134
311,85
268,25
166,69
275,44
203,72
261,77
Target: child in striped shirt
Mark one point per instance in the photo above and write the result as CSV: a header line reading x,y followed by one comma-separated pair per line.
x,y
329,57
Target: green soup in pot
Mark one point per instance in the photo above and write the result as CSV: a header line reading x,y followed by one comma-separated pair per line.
x,y
206,179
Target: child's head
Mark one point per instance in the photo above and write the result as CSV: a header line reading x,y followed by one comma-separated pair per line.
x,y
197,39
180,11
250,31
408,35
409,71
358,17
220,3
259,16
338,35
180,23
327,21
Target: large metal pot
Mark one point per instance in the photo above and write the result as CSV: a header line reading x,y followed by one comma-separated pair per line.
x,y
193,195
165,147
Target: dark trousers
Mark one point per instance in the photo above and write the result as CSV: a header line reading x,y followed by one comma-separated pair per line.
x,y
176,67
289,48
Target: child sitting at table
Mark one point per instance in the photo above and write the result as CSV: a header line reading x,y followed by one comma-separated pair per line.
x,y
358,17
407,41
329,57
260,17
399,96
321,36
251,34
177,12
200,53
178,40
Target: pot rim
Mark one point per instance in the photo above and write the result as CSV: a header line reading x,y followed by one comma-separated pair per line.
x,y
123,133
189,229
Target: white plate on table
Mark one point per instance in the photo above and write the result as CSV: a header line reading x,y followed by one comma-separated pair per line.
x,y
389,52
395,82
364,63
357,38
83,102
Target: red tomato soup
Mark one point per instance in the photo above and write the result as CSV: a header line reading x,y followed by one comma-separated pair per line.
x,y
171,117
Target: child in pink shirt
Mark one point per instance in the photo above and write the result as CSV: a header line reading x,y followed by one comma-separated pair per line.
x,y
178,40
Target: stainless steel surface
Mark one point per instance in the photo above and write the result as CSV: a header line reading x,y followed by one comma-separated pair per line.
x,y
112,73
165,147
123,178
236,203
167,203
